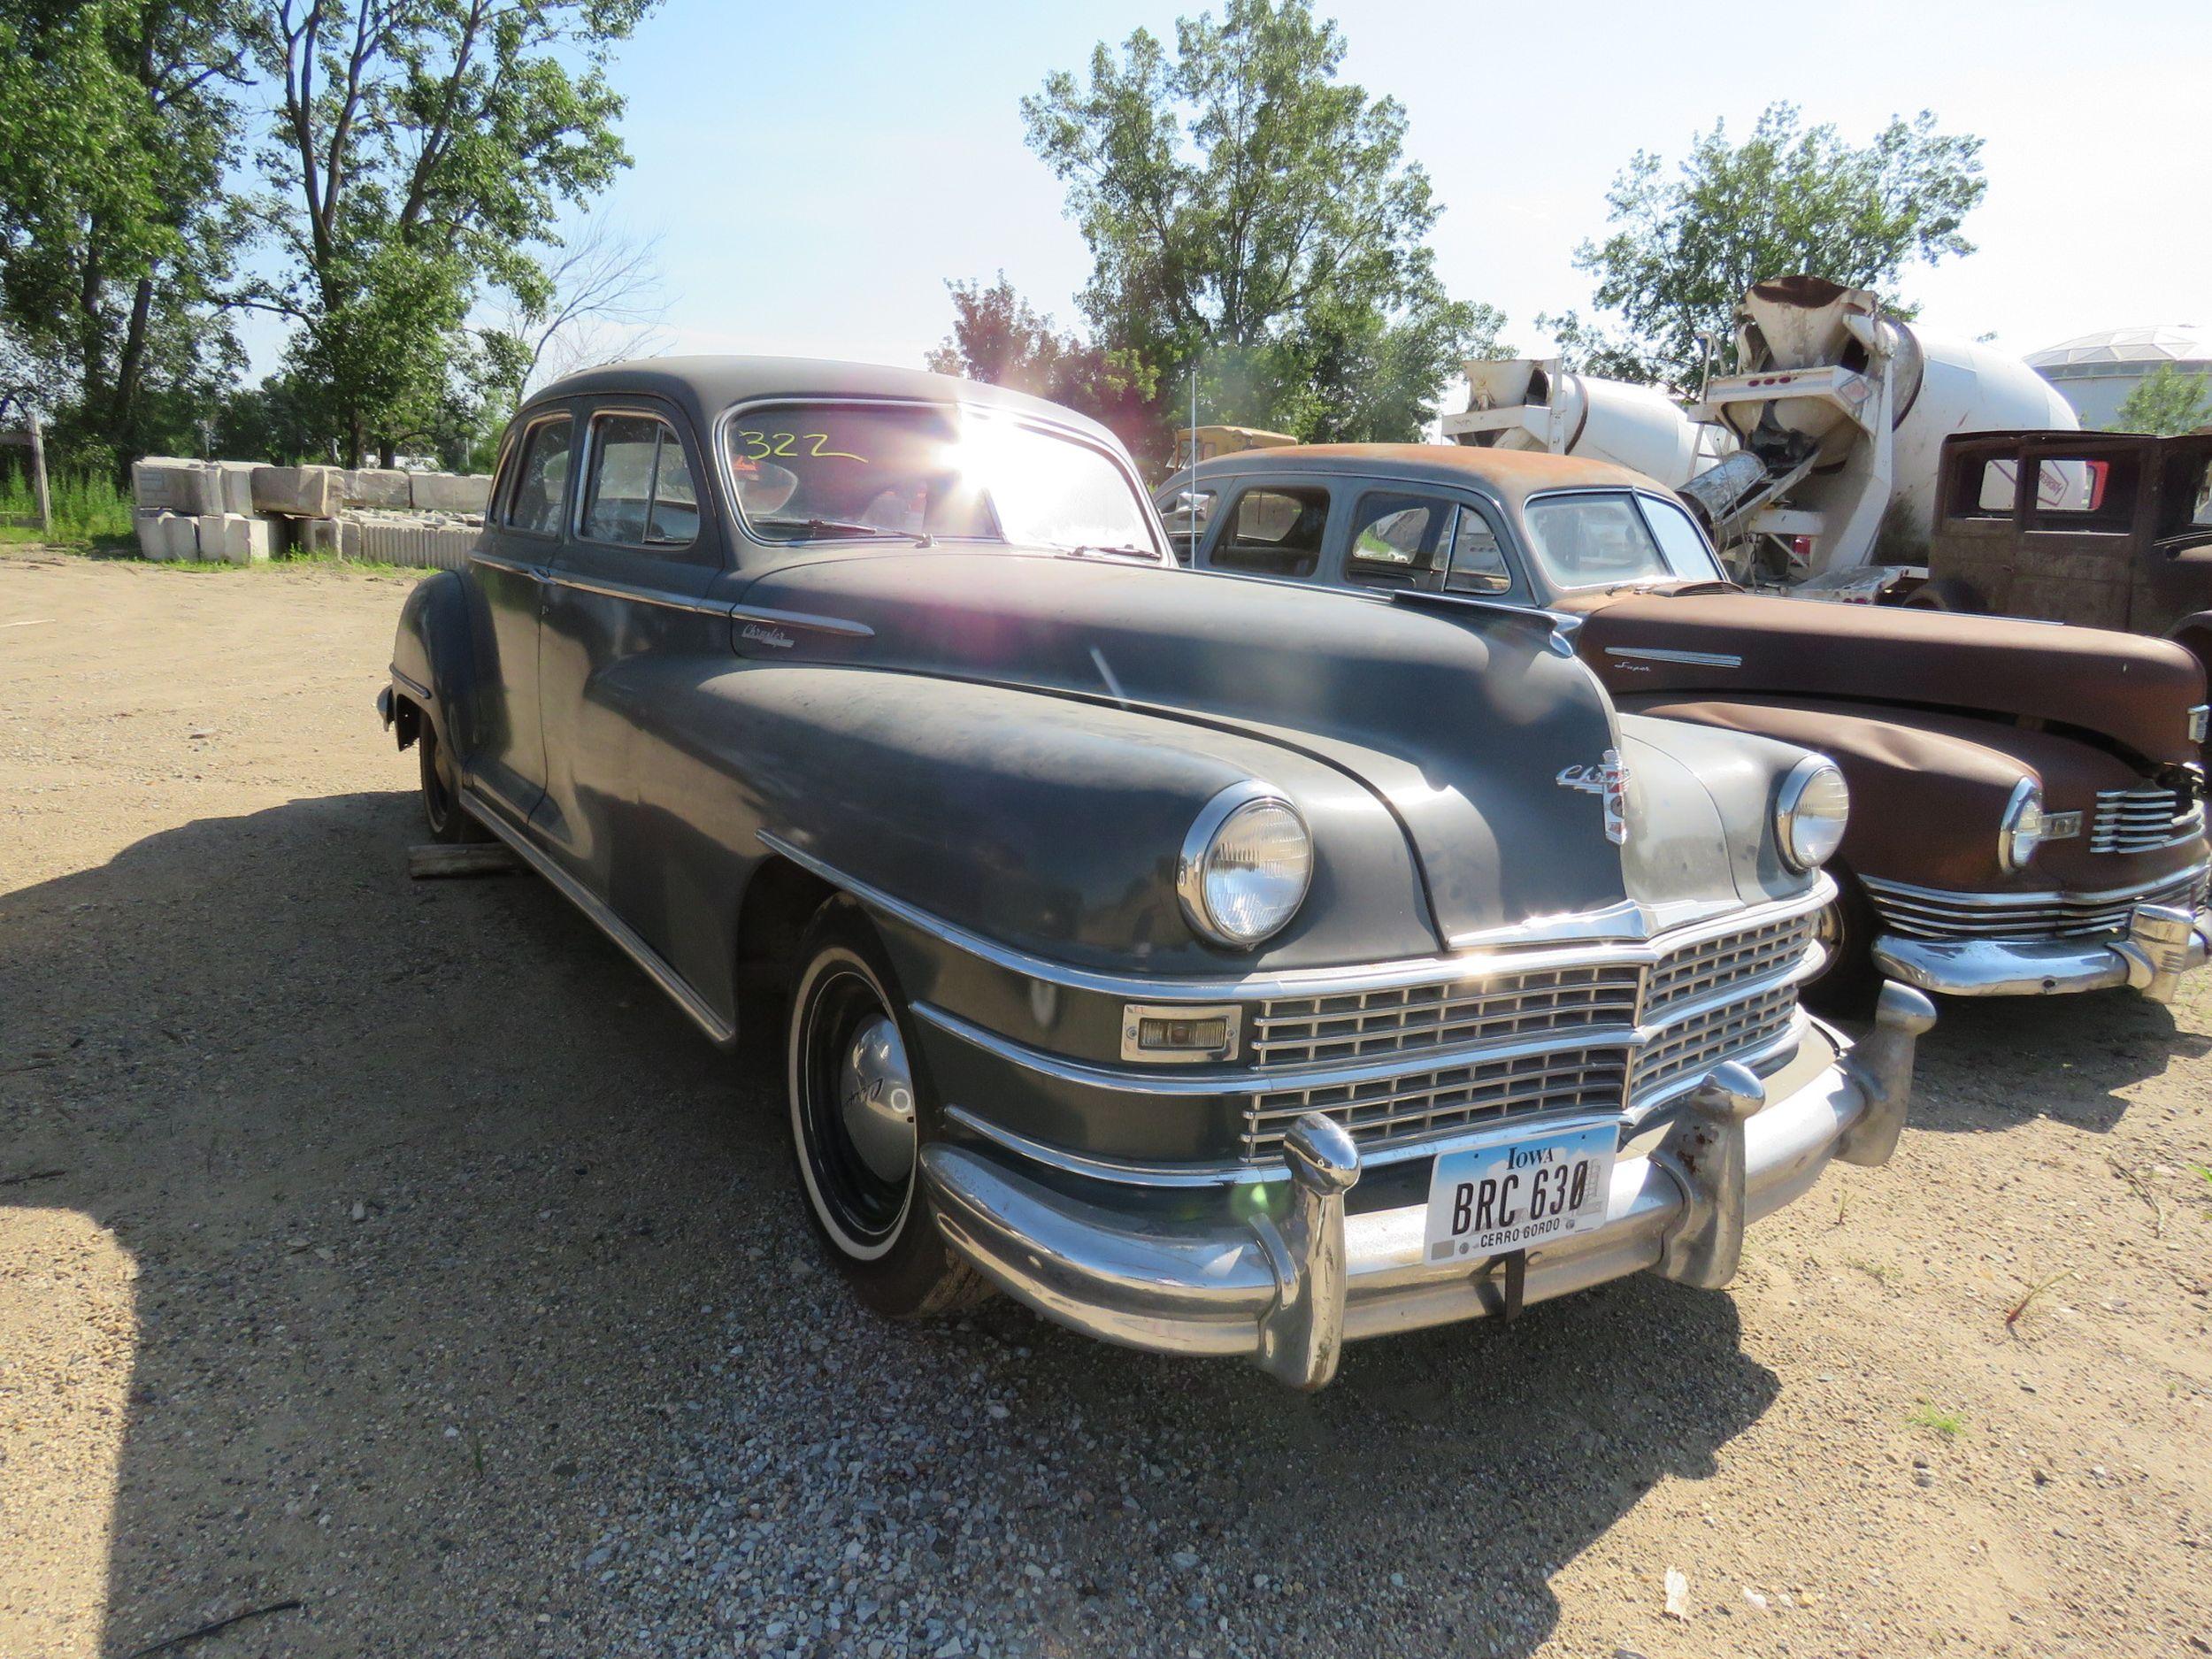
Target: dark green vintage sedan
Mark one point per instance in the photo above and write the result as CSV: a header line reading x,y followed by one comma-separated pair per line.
x,y
1217,968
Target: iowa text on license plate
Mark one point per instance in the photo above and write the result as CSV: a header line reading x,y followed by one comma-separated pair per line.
x,y
1514,1194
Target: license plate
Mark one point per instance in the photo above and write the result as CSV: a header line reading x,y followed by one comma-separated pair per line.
x,y
1515,1194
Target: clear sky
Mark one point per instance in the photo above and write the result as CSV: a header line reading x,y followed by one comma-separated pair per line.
x,y
818,170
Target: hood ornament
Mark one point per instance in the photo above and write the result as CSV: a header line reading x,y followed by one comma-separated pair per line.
x,y
1609,781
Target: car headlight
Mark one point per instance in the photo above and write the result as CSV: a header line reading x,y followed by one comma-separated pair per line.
x,y
1246,866
2024,826
1810,810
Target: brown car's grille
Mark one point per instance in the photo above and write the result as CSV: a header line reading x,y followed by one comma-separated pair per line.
x,y
1301,1030
1704,1040
1922,914
1732,978
1697,971
2141,819
1382,1110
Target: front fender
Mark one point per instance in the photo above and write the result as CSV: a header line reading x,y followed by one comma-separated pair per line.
x,y
1048,822
1702,805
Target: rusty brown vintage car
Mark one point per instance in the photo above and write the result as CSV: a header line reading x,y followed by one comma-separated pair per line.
x,y
2103,529
2027,800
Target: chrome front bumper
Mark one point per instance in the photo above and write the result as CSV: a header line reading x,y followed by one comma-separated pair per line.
x,y
1287,1292
2161,943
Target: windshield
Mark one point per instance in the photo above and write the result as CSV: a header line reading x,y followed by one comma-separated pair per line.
x,y
1603,540
841,471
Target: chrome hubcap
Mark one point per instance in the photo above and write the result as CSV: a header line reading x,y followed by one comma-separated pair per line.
x,y
875,1093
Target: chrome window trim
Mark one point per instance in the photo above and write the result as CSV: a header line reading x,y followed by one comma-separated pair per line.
x,y
1554,950
1164,554
569,497
590,453
2046,895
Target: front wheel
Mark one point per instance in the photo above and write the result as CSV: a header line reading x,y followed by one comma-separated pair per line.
x,y
859,1116
1848,980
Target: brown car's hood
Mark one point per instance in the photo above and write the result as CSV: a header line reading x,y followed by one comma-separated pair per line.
x,y
1461,722
2136,691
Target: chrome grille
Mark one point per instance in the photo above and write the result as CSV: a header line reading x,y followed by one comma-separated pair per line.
x,y
1924,914
1380,1111
1731,981
1704,1040
1300,1029
1699,971
2143,818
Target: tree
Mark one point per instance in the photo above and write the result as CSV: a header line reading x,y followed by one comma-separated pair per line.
x,y
1249,213
117,119
601,300
2166,403
1686,248
420,148
998,336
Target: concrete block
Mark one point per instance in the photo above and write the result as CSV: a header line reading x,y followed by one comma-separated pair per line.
x,y
348,537
236,483
378,487
164,483
153,540
306,492
235,538
181,534
450,492
315,535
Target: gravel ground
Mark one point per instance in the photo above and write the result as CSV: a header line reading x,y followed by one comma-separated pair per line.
x,y
394,1250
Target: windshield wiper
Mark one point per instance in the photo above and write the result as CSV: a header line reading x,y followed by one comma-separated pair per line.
x,y
839,526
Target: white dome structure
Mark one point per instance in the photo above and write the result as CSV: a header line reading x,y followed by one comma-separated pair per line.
x,y
2096,372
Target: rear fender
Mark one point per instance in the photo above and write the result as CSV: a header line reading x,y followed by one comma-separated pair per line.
x,y
433,669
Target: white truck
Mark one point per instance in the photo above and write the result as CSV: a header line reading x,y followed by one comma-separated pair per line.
x,y
1815,463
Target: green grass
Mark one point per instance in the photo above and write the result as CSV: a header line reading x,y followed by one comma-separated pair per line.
x,y
86,511
1948,1423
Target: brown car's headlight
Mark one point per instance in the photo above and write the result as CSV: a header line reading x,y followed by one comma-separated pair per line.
x,y
1810,810
1244,867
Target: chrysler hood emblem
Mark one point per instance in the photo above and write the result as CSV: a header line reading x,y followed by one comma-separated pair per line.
x,y
1609,781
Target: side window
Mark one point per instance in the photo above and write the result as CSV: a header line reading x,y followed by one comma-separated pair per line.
x,y
640,493
1478,566
1681,543
1400,541
542,480
1274,533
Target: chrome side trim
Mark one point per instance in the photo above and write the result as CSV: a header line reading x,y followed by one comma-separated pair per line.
x,y
2050,896
513,566
1694,659
608,923
411,683
803,619
1308,981
719,608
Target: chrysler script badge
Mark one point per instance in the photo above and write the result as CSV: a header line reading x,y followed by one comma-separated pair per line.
x,y
1609,781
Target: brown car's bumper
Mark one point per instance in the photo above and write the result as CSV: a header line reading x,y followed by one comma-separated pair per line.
x,y
2048,944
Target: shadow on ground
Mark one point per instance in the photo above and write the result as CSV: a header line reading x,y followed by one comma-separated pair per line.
x,y
475,1312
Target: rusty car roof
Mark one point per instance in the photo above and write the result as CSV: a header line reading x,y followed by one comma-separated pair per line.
x,y
1509,474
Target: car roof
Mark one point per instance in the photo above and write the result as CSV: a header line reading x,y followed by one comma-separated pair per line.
x,y
1509,476
706,386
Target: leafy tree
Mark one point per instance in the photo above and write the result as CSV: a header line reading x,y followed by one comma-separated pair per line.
x,y
117,119
1250,214
1687,245
998,336
420,148
2166,403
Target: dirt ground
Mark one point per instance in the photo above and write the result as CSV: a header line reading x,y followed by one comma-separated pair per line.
x,y
394,1250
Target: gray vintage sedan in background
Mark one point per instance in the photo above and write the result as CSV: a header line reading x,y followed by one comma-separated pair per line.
x,y
1218,969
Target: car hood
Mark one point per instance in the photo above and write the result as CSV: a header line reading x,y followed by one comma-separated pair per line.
x,y
1460,720
2136,691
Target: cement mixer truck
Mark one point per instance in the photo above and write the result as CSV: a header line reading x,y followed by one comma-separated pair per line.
x,y
1815,464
